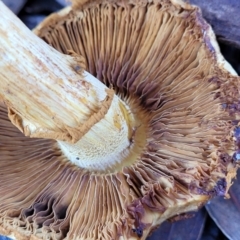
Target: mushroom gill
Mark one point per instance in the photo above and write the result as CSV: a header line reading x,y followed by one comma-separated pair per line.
x,y
162,60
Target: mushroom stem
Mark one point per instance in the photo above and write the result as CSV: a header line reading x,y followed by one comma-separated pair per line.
x,y
49,95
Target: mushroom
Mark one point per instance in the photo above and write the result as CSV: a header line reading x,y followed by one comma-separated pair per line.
x,y
156,137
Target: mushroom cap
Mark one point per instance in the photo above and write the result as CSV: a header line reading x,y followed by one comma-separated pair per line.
x,y
161,58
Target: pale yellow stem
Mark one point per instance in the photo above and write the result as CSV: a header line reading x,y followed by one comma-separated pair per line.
x,y
49,95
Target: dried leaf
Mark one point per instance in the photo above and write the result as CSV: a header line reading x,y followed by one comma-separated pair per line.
x,y
15,6
211,231
4,238
217,13
190,229
226,213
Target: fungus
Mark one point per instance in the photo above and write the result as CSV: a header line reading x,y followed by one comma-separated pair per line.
x,y
156,137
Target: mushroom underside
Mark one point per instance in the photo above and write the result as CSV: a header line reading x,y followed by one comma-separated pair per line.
x,y
160,61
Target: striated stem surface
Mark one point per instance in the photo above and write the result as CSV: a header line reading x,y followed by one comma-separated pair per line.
x,y
50,95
